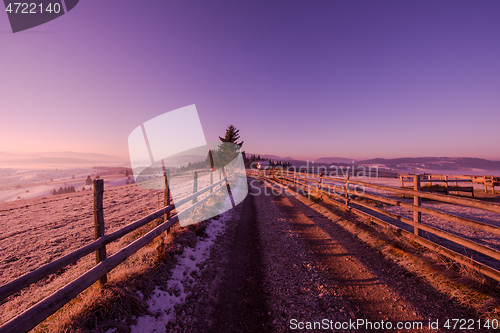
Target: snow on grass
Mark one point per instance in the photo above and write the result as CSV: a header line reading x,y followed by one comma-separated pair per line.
x,y
23,184
33,192
162,304
40,230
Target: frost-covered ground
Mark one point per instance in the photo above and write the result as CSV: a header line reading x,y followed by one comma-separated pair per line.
x,y
37,231
18,183
162,303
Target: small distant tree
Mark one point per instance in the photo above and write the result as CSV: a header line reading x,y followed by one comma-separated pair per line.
x,y
83,188
60,191
54,192
126,173
73,177
88,181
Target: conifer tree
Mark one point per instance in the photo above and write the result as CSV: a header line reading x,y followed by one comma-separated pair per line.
x,y
229,147
232,135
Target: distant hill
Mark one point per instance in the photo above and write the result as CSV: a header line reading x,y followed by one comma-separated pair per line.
x,y
334,160
435,163
430,163
275,158
325,160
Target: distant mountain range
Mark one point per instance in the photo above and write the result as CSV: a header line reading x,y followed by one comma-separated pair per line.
x,y
274,157
435,163
319,160
334,160
430,163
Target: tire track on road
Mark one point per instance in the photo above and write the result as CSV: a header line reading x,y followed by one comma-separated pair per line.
x,y
241,305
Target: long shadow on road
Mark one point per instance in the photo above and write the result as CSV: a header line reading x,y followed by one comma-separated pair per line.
x,y
378,288
241,305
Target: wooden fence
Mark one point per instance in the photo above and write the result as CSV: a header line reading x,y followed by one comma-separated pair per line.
x,y
46,307
345,194
450,183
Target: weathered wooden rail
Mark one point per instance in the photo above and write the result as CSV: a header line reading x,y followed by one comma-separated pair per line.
x,y
46,307
490,181
345,194
448,187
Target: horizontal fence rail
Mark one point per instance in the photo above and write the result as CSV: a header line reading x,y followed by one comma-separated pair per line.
x,y
345,194
46,307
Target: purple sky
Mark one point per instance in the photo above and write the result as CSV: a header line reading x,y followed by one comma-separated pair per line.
x,y
307,79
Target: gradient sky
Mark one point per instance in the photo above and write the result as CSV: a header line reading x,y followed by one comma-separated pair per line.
x,y
307,79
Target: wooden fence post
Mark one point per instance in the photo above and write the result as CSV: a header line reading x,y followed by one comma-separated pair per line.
x,y
211,179
320,183
100,254
195,186
166,194
417,201
308,187
347,192
446,184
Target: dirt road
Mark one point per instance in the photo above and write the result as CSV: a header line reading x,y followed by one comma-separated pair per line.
x,y
282,266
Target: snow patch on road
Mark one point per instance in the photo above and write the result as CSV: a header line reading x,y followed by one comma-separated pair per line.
x,y
162,303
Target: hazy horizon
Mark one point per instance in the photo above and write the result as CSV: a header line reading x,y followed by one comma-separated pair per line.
x,y
71,159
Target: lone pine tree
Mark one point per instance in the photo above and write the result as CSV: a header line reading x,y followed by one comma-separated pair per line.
x,y
228,149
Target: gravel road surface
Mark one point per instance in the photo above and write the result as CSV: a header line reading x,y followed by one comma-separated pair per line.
x,y
282,265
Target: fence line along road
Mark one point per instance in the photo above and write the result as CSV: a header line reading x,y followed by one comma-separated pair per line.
x,y
346,197
46,307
